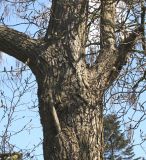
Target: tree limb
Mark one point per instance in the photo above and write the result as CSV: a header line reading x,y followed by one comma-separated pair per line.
x,y
127,45
17,44
107,56
111,59
143,16
122,51
66,17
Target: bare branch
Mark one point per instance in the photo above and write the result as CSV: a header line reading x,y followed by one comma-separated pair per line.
x,y
127,45
17,44
143,13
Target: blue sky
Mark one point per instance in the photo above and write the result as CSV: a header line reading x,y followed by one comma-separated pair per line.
x,y
25,116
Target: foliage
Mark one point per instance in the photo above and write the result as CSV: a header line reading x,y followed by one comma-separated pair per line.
x,y
117,146
13,156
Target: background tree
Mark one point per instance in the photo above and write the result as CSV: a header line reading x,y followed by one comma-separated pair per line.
x,y
72,91
14,156
117,146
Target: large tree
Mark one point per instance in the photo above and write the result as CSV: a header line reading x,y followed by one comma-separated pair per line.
x,y
70,91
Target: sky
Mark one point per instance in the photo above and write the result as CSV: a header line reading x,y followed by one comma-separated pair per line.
x,y
27,106
24,125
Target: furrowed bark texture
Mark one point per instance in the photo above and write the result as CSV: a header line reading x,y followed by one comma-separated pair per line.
x,y
70,94
69,102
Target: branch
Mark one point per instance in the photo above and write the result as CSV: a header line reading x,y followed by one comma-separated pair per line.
x,y
17,44
107,54
111,59
66,17
122,51
143,16
127,45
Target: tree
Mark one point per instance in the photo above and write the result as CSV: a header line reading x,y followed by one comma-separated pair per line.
x,y
14,156
117,146
70,92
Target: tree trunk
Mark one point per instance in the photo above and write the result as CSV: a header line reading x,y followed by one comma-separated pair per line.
x,y
81,128
70,105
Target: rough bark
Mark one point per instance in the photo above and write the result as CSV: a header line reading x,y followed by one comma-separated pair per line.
x,y
17,44
78,110
70,105
69,93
